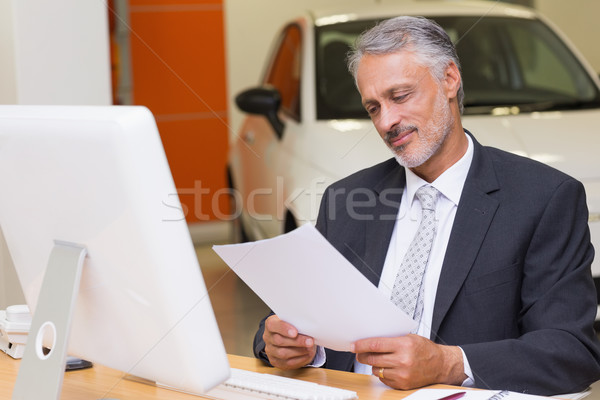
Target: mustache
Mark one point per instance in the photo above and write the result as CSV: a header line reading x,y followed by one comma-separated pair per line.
x,y
397,131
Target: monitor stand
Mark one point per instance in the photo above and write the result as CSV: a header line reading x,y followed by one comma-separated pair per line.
x,y
42,368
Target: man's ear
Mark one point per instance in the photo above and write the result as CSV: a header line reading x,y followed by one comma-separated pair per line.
x,y
452,80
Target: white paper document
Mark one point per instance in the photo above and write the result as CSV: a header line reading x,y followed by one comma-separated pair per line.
x,y
310,285
460,394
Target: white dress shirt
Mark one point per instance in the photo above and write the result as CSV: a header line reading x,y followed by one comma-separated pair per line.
x,y
450,185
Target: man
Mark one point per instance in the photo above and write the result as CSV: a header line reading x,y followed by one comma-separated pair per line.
x,y
506,300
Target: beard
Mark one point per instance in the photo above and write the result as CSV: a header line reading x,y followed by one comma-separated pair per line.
x,y
428,140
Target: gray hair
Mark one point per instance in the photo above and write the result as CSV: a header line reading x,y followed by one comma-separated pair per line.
x,y
422,37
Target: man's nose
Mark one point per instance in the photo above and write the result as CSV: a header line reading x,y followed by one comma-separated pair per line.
x,y
388,119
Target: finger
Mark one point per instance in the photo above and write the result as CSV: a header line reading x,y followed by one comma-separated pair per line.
x,y
283,352
305,340
376,360
379,372
375,345
276,325
275,339
290,357
280,333
301,342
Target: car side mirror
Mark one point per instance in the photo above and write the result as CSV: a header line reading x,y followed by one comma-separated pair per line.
x,y
262,101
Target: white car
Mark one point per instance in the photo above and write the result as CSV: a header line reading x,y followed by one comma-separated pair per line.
x,y
527,91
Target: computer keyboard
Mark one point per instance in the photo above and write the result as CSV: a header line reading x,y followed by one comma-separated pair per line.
x,y
248,385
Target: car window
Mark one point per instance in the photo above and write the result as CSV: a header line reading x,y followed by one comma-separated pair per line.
x,y
505,62
546,64
284,70
517,62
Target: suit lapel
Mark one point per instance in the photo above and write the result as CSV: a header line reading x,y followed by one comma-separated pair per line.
x,y
471,223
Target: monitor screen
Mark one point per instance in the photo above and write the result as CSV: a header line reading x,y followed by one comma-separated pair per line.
x,y
97,176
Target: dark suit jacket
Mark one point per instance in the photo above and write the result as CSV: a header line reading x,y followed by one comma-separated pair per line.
x,y
515,291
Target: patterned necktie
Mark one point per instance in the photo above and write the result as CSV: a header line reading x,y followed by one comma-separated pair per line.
x,y
408,289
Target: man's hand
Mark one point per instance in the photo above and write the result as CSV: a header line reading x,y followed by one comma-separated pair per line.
x,y
286,348
411,361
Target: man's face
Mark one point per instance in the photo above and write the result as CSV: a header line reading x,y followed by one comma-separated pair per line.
x,y
408,106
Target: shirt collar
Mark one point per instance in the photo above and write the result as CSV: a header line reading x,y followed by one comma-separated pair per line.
x,y
450,183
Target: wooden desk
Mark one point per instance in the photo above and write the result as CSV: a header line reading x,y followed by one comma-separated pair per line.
x,y
101,382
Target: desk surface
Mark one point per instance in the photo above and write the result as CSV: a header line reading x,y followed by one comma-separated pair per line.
x,y
102,382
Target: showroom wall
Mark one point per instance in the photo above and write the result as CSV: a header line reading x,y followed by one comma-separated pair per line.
x,y
177,69
54,52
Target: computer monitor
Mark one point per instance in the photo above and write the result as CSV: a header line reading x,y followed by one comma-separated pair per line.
x,y
88,188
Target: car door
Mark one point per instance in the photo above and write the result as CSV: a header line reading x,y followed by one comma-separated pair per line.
x,y
261,184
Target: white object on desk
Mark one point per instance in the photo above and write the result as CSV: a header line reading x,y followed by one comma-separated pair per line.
x,y
98,176
429,394
14,328
255,385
